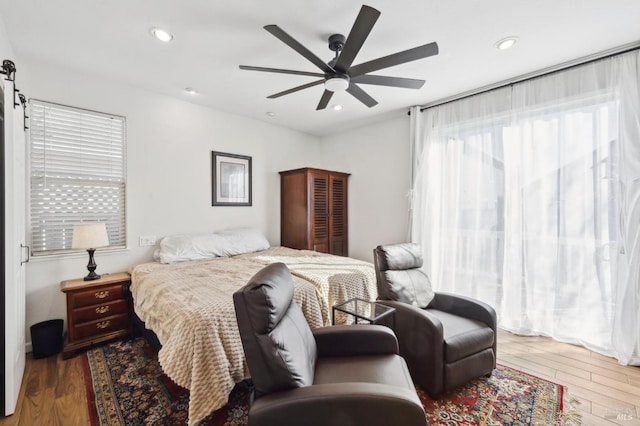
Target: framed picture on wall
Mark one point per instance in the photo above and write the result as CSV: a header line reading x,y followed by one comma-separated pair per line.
x,y
231,179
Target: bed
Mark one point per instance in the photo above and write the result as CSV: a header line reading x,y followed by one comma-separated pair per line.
x,y
189,307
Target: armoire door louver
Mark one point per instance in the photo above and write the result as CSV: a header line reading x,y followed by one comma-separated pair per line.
x,y
338,216
320,213
314,210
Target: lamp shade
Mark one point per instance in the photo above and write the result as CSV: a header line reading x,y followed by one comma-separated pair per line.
x,y
89,235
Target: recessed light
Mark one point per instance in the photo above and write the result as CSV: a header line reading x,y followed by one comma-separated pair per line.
x,y
270,114
191,91
506,43
337,107
162,35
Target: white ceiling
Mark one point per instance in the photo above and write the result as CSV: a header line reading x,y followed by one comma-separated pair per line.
x,y
110,39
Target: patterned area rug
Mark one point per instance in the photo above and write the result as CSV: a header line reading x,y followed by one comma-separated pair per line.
x,y
126,386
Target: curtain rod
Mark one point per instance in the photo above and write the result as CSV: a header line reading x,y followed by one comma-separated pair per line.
x,y
539,73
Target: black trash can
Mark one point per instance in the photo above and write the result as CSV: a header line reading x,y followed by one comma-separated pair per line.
x,y
46,338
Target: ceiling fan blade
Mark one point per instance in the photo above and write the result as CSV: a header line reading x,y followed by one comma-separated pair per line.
x,y
359,32
324,100
362,96
403,57
295,89
379,80
295,45
281,71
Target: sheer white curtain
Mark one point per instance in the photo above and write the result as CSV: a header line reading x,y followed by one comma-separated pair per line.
x,y
528,198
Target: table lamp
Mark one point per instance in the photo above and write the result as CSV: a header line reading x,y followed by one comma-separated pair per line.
x,y
90,235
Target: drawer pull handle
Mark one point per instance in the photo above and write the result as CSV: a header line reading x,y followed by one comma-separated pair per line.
x,y
102,294
102,310
103,324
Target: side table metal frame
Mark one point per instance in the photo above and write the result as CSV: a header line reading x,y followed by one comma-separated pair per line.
x,y
372,320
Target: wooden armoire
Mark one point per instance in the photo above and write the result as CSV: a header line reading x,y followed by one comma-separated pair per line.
x,y
313,210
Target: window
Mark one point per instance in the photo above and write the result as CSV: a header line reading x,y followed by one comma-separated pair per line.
x,y
77,175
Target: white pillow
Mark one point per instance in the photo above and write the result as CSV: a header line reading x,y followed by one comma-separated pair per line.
x,y
180,248
242,240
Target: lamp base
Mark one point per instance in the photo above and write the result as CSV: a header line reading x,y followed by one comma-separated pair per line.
x,y
91,267
92,276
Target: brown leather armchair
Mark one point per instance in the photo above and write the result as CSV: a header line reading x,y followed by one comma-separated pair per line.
x,y
446,340
342,375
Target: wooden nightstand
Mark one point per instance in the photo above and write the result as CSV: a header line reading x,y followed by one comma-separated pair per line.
x,y
97,311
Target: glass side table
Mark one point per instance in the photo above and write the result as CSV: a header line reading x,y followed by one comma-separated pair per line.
x,y
364,310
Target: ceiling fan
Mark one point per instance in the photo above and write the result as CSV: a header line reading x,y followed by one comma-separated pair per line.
x,y
339,74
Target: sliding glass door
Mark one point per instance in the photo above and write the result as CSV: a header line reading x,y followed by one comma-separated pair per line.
x,y
524,200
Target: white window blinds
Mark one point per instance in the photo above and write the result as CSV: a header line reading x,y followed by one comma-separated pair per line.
x,y
77,175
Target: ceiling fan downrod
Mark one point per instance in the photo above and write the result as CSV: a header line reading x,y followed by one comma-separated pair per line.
x,y
336,43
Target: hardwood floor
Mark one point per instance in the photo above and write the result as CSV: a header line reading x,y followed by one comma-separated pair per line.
x,y
53,390
606,392
52,393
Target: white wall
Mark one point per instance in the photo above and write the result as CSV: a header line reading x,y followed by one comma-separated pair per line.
x,y
377,156
169,144
6,51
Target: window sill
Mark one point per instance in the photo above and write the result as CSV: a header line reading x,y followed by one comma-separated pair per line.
x,y
74,254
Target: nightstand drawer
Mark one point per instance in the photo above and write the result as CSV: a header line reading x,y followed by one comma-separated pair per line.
x,y
102,310
102,326
95,296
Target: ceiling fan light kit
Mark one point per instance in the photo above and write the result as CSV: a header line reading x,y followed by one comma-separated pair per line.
x,y
337,83
338,74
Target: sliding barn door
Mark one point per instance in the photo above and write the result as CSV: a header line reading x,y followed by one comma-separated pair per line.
x,y
15,250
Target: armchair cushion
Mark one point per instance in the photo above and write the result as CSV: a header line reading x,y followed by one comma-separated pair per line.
x,y
405,281
398,257
378,369
411,286
339,404
266,303
463,336
274,332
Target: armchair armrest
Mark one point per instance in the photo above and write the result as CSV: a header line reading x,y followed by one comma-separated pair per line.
x,y
421,338
465,307
416,321
339,404
350,340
